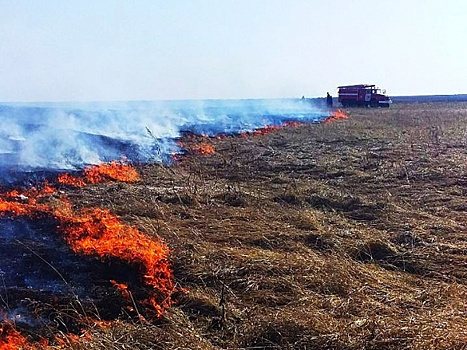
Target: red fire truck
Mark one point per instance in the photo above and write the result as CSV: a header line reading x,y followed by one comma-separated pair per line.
x,y
364,95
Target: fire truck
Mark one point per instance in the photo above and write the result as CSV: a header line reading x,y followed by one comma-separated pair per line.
x,y
364,95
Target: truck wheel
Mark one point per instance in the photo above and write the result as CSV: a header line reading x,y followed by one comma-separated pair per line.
x,y
374,104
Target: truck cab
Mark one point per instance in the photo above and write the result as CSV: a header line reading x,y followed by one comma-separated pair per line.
x,y
364,95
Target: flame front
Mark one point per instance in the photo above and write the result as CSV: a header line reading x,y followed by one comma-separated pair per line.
x,y
101,173
96,232
195,146
336,115
11,339
203,148
114,171
262,131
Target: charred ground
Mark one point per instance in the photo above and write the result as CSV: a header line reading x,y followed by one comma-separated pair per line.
x,y
347,235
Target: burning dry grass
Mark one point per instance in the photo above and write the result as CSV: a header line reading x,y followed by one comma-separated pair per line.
x,y
11,339
345,235
348,235
96,232
102,173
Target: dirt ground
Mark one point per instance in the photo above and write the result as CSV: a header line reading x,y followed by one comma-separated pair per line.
x,y
343,235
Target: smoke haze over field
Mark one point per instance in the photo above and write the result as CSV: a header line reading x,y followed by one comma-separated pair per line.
x,y
59,136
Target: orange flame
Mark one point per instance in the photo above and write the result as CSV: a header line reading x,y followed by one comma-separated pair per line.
x,y
11,339
66,341
70,180
203,148
194,145
336,115
122,288
17,208
34,192
262,131
114,171
200,147
268,129
101,173
97,232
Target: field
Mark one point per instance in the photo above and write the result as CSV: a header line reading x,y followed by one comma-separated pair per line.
x,y
343,235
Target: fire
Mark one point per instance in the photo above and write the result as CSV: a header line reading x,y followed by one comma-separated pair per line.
x,y
203,148
200,144
73,341
18,208
114,171
101,173
336,115
14,208
11,339
122,288
268,129
196,146
70,180
262,131
43,189
96,232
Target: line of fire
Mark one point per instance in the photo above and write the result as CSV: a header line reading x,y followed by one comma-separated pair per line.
x,y
67,267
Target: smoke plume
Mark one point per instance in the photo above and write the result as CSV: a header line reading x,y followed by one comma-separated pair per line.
x,y
67,136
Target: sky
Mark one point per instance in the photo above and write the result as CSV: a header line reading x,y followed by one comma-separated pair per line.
x,y
108,50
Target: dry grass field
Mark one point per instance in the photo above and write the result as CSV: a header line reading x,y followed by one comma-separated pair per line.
x,y
347,235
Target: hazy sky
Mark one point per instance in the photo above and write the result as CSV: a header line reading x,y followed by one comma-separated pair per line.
x,y
191,49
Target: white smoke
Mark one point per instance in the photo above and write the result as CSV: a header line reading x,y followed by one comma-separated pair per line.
x,y
64,136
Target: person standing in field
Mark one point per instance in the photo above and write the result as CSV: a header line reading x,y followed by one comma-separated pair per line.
x,y
329,100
